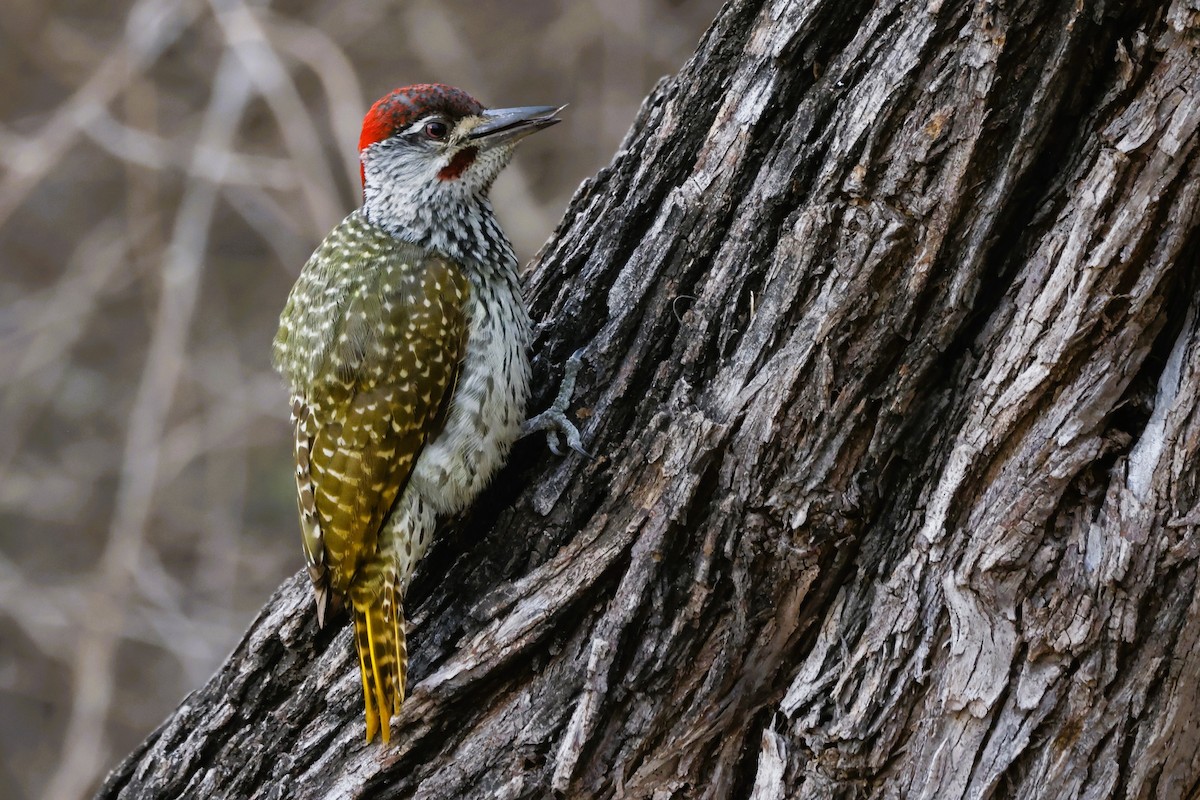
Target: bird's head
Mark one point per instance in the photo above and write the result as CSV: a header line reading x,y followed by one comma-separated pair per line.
x,y
431,142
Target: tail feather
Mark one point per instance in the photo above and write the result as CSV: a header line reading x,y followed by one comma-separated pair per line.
x,y
401,645
363,645
382,657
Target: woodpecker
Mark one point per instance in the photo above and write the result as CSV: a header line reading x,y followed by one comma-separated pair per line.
x,y
404,346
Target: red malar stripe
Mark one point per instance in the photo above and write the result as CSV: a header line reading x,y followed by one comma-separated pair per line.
x,y
462,159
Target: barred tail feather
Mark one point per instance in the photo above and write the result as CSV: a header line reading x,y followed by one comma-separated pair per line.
x,y
362,643
382,657
396,612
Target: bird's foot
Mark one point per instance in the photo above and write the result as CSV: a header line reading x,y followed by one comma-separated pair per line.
x,y
554,419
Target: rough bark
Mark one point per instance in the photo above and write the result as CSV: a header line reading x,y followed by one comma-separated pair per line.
x,y
892,364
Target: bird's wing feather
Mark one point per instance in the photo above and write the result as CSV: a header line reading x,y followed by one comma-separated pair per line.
x,y
394,359
310,523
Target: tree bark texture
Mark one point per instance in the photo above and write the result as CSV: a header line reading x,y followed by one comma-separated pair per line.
x,y
891,376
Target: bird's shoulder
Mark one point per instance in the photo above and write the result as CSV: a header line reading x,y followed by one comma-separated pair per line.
x,y
365,302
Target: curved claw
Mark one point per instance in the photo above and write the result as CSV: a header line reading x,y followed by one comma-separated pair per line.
x,y
554,419
558,427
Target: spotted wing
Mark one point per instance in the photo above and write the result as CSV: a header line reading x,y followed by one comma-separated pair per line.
x,y
392,365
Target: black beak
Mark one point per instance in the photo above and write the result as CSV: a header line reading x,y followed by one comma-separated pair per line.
x,y
505,125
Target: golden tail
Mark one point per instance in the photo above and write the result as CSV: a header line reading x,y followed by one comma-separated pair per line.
x,y
382,655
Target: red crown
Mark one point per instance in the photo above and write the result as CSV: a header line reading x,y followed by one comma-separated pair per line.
x,y
396,111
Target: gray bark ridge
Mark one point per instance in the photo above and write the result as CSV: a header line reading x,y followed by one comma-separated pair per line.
x,y
893,358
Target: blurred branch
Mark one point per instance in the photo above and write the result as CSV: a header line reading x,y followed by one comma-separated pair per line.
x,y
343,90
246,39
82,754
56,323
153,26
202,161
275,226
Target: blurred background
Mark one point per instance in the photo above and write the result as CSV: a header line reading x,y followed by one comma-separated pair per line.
x,y
166,167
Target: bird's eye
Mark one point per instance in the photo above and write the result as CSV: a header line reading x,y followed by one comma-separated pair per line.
x,y
436,129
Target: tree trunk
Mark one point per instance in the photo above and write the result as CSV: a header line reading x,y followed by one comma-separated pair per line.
x,y
891,371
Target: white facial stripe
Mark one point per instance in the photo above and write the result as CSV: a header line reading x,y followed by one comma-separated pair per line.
x,y
420,124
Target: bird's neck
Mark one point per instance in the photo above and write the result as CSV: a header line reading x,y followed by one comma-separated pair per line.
x,y
463,228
